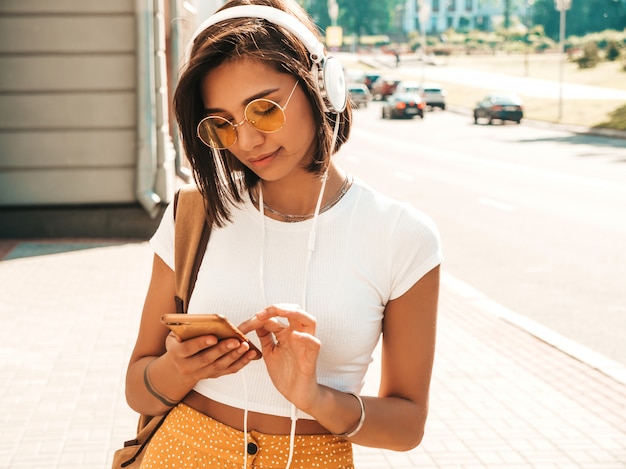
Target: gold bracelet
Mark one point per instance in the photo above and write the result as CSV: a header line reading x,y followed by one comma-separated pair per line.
x,y
151,390
361,419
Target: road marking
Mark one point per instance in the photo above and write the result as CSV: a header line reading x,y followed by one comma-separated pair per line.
x,y
496,204
606,365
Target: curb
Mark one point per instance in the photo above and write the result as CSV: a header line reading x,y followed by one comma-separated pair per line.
x,y
583,354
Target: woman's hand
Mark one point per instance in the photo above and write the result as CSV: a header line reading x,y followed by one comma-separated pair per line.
x,y
204,357
290,350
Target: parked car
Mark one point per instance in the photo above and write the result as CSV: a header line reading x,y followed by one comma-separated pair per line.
x,y
432,93
408,87
502,107
359,76
359,94
384,87
369,79
403,106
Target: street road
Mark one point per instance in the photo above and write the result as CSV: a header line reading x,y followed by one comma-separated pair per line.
x,y
532,217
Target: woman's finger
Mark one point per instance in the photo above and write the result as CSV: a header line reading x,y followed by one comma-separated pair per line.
x,y
276,318
190,347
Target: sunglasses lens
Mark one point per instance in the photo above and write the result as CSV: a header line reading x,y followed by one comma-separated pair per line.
x,y
216,132
265,115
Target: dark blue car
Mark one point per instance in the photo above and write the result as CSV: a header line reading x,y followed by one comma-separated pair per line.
x,y
403,106
502,107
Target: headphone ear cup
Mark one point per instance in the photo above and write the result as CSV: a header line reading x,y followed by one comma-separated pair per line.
x,y
333,85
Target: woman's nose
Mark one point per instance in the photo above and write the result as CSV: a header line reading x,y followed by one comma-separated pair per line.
x,y
248,136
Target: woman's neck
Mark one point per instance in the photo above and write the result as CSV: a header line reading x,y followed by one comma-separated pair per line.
x,y
298,196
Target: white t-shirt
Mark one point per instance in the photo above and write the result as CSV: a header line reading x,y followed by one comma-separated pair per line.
x,y
369,249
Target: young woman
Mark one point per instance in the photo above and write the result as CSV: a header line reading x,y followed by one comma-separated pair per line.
x,y
311,263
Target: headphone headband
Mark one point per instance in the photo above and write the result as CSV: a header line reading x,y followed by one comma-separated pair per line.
x,y
326,70
274,15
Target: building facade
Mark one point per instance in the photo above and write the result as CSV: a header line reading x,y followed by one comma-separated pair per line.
x,y
442,15
85,92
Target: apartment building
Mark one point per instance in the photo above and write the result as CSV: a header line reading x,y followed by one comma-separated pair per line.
x,y
442,15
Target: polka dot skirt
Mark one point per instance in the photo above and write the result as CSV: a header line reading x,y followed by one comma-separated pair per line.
x,y
189,439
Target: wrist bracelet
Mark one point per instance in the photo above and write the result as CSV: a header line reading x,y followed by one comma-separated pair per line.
x,y
361,419
151,390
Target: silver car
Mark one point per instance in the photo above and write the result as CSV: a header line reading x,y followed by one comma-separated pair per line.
x,y
432,93
359,94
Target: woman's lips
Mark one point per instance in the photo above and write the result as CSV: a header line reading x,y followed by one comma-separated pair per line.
x,y
263,160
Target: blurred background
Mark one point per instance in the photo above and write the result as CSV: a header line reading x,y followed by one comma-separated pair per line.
x,y
86,131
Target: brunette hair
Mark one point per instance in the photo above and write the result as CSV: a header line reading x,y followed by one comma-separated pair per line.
x,y
221,178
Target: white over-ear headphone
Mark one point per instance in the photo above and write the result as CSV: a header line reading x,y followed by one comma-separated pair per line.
x,y
327,70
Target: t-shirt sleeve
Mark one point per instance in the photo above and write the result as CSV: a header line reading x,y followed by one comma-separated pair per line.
x,y
416,250
162,240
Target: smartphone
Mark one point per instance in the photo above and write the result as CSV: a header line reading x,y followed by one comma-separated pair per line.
x,y
188,326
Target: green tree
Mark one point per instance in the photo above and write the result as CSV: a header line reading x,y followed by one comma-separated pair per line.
x,y
366,17
318,9
507,14
358,17
585,16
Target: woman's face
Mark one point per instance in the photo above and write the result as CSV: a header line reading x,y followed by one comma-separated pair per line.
x,y
227,90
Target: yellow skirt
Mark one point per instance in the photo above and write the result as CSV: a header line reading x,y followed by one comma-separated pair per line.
x,y
189,439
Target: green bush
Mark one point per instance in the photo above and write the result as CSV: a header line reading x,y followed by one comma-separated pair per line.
x,y
608,43
618,119
613,49
590,56
544,44
593,47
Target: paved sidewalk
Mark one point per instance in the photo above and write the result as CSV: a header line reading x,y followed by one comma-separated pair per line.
x,y
501,398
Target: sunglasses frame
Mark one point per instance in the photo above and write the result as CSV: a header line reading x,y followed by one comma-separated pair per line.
x,y
234,125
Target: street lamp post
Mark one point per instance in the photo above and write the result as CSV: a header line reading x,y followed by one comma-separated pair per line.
x,y
423,13
529,22
561,6
333,11
334,33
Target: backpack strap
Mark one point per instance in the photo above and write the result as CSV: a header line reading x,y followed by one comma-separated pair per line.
x,y
191,235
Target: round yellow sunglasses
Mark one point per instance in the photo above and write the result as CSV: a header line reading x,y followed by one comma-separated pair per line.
x,y
263,114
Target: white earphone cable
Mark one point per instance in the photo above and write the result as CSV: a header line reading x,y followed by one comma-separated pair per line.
x,y
245,419
310,249
262,255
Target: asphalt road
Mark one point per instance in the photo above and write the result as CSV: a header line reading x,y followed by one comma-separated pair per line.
x,y
532,217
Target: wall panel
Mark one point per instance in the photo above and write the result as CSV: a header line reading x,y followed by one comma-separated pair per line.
x,y
67,187
64,111
71,34
68,103
58,149
76,72
68,7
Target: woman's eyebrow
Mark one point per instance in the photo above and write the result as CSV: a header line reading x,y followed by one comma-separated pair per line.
x,y
260,94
